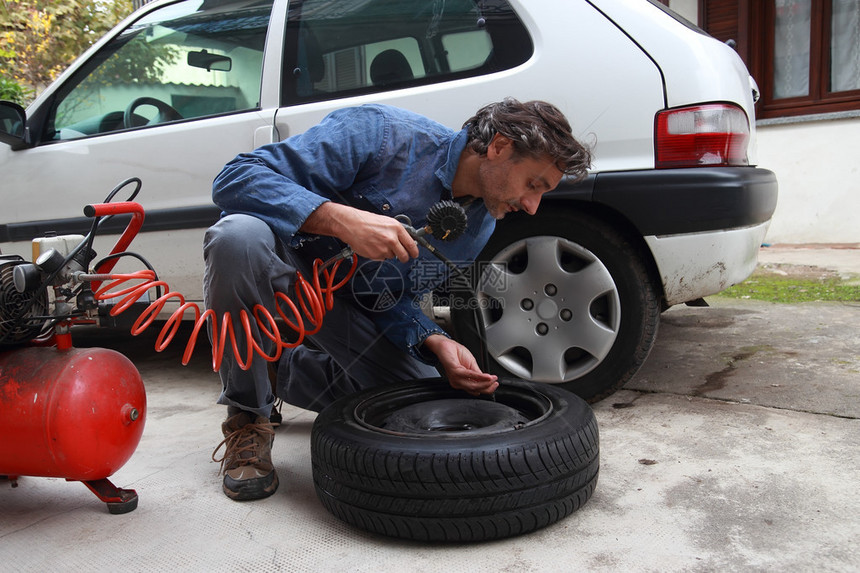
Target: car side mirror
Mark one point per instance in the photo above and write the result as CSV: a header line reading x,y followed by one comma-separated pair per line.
x,y
13,125
209,61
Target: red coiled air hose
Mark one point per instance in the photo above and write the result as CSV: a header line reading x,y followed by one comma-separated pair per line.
x,y
313,298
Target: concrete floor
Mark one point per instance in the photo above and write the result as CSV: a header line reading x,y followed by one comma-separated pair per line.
x,y
735,448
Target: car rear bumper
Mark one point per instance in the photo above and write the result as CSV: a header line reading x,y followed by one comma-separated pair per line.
x,y
703,226
692,200
695,265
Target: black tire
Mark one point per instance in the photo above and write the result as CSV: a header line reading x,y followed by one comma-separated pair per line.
x,y
566,300
422,461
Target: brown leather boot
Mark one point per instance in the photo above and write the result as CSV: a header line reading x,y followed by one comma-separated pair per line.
x,y
247,462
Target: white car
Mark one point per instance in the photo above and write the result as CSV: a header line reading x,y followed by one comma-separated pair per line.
x,y
673,210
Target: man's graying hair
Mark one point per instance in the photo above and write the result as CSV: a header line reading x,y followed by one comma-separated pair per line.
x,y
536,128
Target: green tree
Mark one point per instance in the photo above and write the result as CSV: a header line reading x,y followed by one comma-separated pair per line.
x,y
40,38
11,90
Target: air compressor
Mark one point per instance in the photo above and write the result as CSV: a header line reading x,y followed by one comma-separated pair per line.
x,y
79,413
66,412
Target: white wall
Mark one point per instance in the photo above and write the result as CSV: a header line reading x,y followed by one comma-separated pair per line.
x,y
816,164
689,9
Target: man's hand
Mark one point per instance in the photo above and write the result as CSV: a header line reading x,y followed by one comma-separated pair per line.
x,y
370,235
460,366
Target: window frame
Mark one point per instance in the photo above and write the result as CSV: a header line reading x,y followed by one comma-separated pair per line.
x,y
754,34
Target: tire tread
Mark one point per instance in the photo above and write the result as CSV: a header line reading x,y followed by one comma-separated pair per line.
x,y
438,489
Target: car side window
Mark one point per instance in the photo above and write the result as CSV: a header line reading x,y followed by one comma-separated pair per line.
x,y
340,49
187,60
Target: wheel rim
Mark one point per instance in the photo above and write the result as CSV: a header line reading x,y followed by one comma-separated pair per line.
x,y
551,309
444,412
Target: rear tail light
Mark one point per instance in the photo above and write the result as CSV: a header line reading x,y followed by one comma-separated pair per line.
x,y
711,134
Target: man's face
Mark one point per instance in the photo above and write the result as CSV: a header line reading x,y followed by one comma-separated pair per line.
x,y
509,183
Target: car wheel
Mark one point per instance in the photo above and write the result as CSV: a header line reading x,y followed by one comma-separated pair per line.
x,y
565,299
419,460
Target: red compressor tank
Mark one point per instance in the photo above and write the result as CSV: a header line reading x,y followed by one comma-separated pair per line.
x,y
76,413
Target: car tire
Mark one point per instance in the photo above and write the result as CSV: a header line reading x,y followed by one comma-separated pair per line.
x,y
567,286
421,461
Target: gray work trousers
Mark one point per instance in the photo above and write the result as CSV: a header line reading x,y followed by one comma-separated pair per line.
x,y
247,264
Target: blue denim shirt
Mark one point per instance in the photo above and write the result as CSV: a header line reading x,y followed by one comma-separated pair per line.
x,y
376,158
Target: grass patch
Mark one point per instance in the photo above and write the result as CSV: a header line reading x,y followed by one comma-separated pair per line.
x,y
785,288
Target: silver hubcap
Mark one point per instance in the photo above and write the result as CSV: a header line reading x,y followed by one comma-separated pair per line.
x,y
551,309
